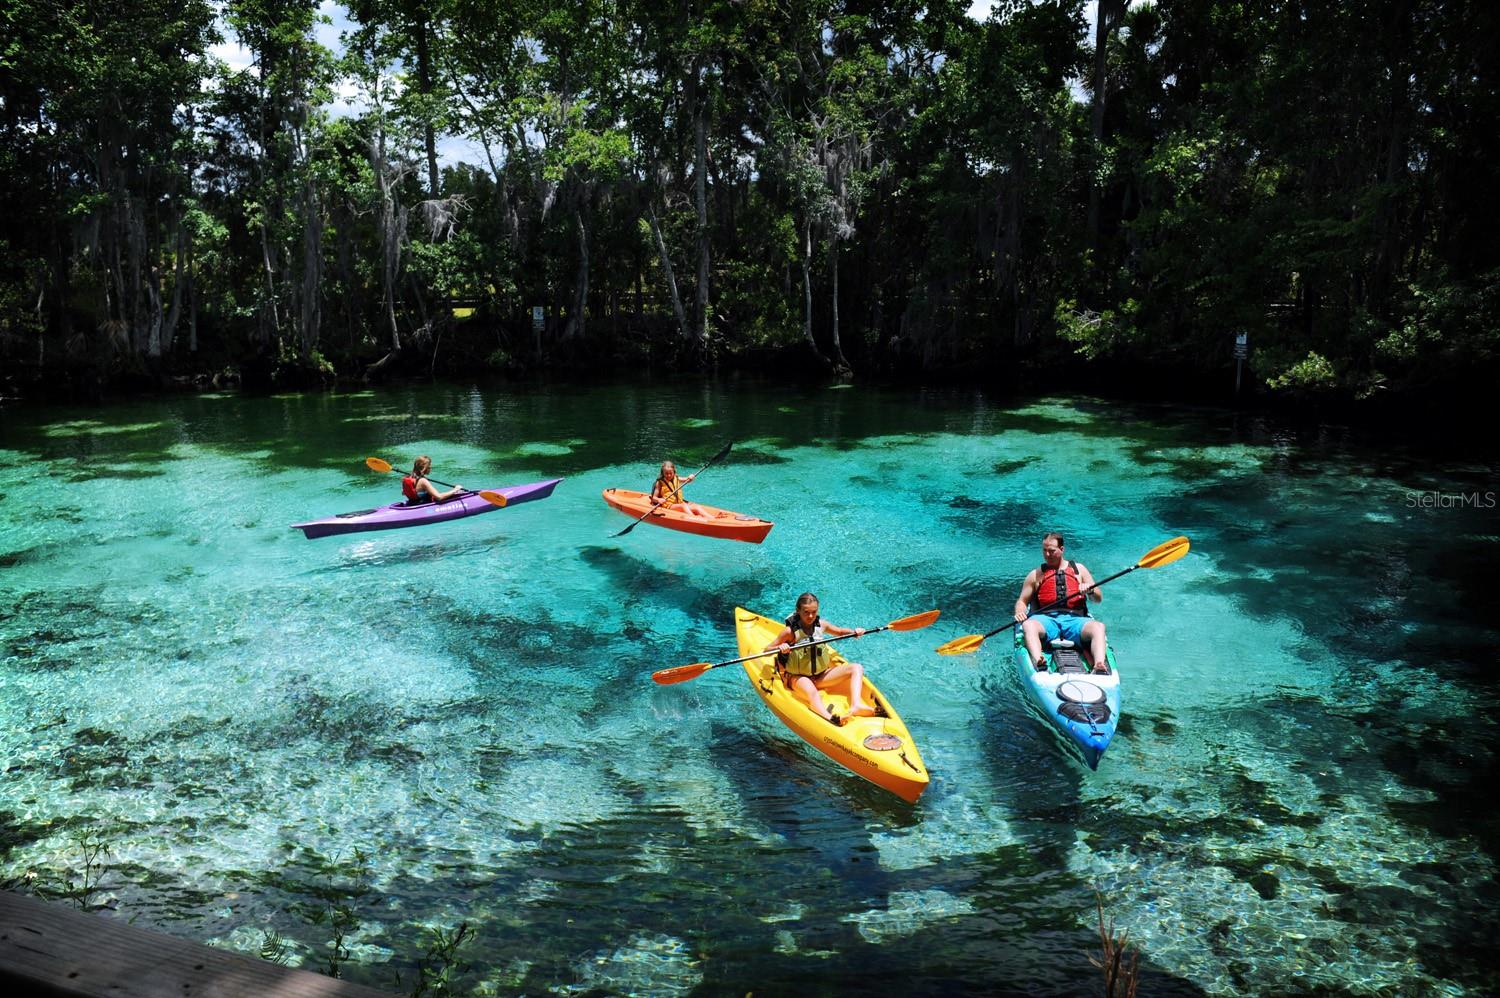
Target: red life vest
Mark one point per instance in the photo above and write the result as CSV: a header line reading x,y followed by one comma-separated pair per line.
x,y
1053,585
409,489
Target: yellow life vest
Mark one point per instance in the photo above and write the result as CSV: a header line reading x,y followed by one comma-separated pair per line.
x,y
805,661
669,493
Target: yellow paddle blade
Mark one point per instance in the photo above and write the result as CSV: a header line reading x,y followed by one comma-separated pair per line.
x,y
681,673
1165,553
376,464
966,645
494,498
915,622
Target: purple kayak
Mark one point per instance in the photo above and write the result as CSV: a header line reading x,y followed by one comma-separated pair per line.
x,y
401,515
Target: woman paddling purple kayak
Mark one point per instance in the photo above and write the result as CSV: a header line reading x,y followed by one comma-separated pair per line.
x,y
418,489
454,504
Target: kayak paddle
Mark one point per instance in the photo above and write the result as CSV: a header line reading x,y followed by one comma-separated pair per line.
x,y
682,673
695,474
494,498
1163,554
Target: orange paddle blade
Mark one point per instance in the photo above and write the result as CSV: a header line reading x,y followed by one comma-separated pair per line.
x,y
1165,553
966,645
494,498
376,464
681,673
915,622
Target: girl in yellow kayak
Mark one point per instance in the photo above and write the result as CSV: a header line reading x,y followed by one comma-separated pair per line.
x,y
808,671
667,490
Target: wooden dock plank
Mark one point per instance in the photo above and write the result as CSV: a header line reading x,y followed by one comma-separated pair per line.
x,y
51,949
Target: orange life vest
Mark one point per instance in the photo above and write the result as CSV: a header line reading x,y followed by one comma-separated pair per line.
x,y
1060,586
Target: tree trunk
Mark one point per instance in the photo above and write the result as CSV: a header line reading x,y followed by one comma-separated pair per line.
x,y
575,326
666,269
424,78
192,292
269,307
352,305
60,319
807,299
1394,174
700,187
416,295
640,293
391,224
842,366
1108,18
174,314
145,276
312,270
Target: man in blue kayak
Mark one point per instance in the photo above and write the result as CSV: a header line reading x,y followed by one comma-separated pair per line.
x,y
1054,604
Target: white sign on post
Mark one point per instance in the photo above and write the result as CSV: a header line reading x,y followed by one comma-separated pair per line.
x,y
1241,351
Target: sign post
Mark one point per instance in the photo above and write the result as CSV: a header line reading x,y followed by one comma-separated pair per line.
x,y
536,326
1241,351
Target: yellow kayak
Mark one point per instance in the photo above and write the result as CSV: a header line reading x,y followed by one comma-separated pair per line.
x,y
878,748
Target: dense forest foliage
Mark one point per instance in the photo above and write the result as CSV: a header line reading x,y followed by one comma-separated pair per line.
x,y
891,189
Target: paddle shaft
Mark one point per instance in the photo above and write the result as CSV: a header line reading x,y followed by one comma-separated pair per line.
x,y
695,474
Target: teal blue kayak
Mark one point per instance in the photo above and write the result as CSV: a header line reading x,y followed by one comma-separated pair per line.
x,y
1083,706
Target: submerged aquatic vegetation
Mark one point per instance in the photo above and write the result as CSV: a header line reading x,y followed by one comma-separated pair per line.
x,y
1116,960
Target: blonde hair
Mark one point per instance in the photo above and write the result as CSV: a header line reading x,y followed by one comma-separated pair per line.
x,y
421,466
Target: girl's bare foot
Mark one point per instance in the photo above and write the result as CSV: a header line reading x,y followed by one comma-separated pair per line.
x,y
861,710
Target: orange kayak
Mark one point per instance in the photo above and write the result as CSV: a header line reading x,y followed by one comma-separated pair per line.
x,y
713,523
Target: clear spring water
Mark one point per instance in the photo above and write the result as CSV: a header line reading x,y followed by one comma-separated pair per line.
x,y
455,723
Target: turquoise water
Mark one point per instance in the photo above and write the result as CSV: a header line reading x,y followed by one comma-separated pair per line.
x,y
456,723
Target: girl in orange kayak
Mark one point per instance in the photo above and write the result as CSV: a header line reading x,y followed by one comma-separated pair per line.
x,y
419,490
667,490
811,670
